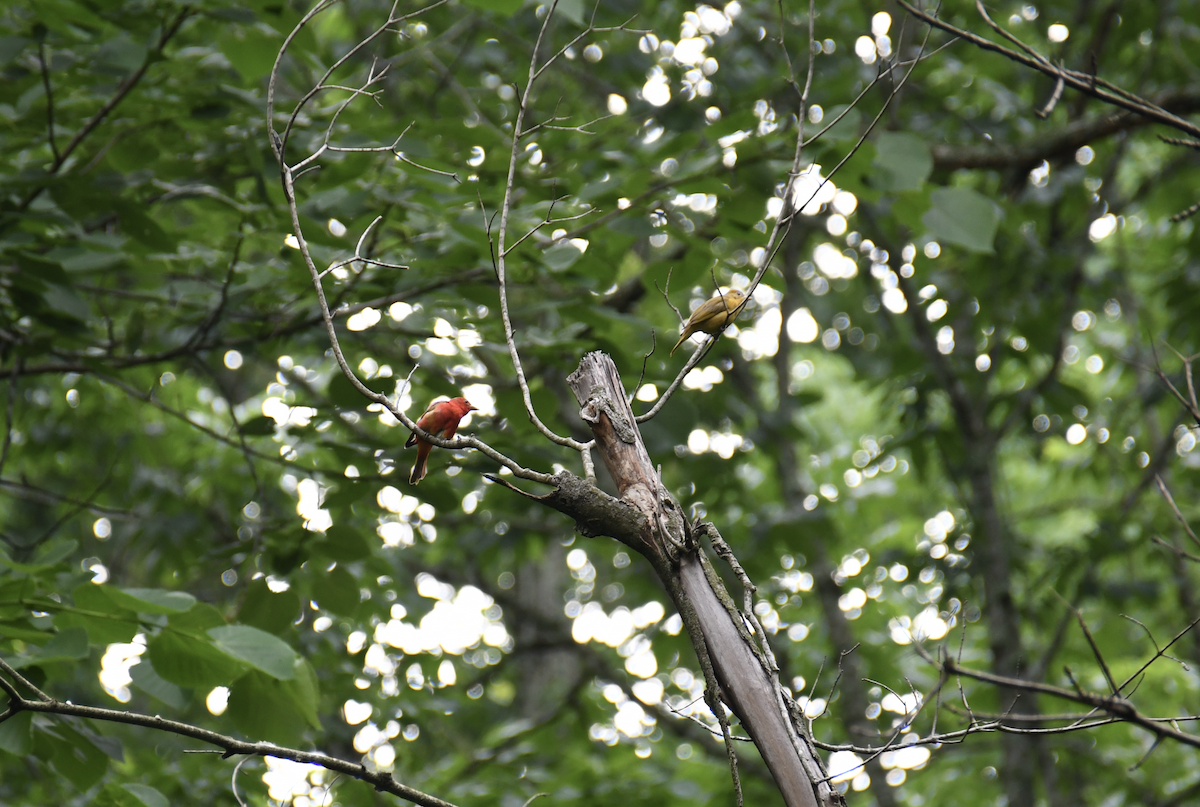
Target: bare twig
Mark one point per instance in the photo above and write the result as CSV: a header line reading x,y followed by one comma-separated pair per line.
x,y
1181,141
233,781
360,258
1046,111
23,681
26,491
1183,215
1007,35
1189,401
1162,487
641,376
8,411
1161,653
665,292
279,142
1112,685
1175,549
545,222
50,137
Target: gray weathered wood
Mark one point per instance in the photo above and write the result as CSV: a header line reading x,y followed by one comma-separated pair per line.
x,y
749,688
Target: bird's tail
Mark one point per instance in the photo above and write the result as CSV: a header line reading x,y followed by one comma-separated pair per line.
x,y
680,342
418,469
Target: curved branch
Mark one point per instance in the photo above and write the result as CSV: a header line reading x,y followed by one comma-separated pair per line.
x,y
1059,145
380,780
1117,707
1084,83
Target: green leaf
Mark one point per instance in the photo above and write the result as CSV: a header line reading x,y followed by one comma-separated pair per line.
x,y
848,128
633,222
106,624
121,54
11,47
12,594
289,549
24,630
67,645
142,227
197,620
504,7
346,494
129,794
147,795
307,690
902,162
72,754
251,51
561,256
15,735
267,610
259,427
61,14
47,556
337,591
65,301
135,330
91,261
146,679
191,662
257,648
598,187
572,10
151,600
343,544
93,597
264,707
964,217
344,394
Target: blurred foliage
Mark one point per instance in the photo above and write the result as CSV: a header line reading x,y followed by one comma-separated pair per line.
x,y
184,464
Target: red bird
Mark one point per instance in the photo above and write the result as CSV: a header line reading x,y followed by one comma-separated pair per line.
x,y
440,419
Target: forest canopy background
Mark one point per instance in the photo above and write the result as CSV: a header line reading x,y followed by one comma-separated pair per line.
x,y
940,418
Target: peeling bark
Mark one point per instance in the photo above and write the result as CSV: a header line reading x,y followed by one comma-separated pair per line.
x,y
650,521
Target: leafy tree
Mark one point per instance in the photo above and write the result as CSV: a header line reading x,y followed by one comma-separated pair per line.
x,y
950,440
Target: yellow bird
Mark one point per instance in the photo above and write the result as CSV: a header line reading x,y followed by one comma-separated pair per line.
x,y
713,315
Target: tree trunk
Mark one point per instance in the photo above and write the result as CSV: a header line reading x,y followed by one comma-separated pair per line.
x,y
746,683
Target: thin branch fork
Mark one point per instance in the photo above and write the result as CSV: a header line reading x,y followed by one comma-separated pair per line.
x,y
288,176
360,258
279,142
377,397
1117,707
1162,487
372,78
787,215
1189,401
